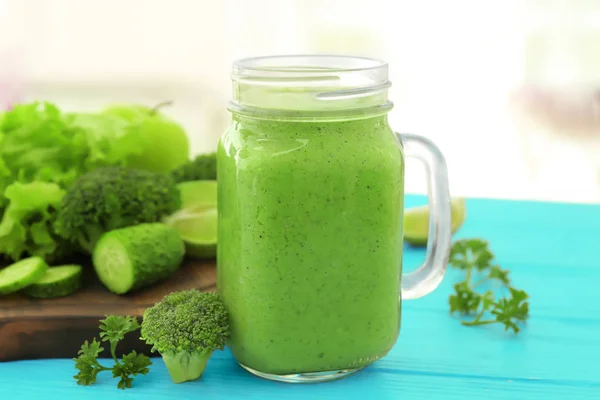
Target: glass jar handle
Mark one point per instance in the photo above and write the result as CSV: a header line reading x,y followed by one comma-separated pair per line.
x,y
428,276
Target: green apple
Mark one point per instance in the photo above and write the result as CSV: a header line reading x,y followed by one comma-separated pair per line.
x,y
164,143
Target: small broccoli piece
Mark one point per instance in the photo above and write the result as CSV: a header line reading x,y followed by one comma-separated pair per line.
x,y
114,197
185,328
201,168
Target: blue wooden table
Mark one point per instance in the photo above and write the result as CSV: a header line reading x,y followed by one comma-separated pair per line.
x,y
553,252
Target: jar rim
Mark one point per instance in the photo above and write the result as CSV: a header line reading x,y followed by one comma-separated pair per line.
x,y
306,64
310,83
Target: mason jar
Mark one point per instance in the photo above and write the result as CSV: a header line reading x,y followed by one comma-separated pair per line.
x,y
310,217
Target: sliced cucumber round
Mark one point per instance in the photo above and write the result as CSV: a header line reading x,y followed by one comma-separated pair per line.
x,y
56,282
131,258
21,274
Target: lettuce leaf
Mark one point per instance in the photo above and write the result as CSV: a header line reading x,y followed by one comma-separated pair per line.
x,y
111,140
37,144
27,226
5,180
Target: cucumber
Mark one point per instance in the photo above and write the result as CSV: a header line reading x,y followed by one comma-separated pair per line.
x,y
131,258
21,274
56,282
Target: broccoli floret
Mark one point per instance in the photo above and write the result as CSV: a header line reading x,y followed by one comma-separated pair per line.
x,y
201,168
114,197
185,328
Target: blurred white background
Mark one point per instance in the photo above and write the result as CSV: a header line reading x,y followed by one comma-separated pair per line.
x,y
506,88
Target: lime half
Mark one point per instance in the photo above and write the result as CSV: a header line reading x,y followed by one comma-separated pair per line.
x,y
416,221
196,221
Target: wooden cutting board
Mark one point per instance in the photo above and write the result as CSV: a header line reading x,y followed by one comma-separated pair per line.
x,y
56,328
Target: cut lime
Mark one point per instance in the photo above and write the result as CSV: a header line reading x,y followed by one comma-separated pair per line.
x,y
416,221
196,221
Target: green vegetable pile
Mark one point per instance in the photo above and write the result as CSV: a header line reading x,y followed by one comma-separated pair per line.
x,y
119,189
42,152
68,179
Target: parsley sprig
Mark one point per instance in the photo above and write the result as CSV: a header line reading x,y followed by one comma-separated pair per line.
x,y
113,329
474,257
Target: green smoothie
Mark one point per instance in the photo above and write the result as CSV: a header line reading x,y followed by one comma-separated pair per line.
x,y
310,242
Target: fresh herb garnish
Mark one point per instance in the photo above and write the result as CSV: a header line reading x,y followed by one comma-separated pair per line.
x,y
114,328
474,257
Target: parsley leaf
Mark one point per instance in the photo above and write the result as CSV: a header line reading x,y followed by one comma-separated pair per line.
x,y
113,329
468,253
500,274
87,363
464,301
509,311
474,257
131,364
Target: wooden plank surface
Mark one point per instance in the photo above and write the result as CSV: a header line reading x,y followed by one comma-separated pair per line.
x,y
55,328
